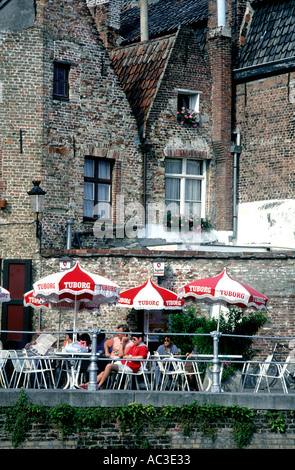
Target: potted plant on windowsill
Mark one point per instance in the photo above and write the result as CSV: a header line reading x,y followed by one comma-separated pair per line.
x,y
187,117
191,223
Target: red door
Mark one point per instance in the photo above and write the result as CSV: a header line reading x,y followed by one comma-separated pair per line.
x,y
16,317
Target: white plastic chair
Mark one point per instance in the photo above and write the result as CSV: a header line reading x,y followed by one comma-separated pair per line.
x,y
126,375
3,360
280,376
267,373
17,366
27,367
172,372
194,372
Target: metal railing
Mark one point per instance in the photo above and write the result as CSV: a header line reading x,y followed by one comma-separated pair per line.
x,y
40,366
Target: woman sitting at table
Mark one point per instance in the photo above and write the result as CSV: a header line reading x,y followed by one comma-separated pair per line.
x,y
165,349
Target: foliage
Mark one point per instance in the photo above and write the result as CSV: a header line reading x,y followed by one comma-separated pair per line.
x,y
239,323
191,223
135,420
191,320
20,417
185,116
277,422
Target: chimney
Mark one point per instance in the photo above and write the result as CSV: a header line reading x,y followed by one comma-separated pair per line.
x,y
106,14
221,16
220,53
144,21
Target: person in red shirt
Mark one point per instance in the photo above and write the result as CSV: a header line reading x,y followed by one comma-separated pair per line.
x,y
137,351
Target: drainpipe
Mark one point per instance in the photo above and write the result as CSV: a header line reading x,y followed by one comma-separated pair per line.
x,y
221,13
144,23
69,233
236,150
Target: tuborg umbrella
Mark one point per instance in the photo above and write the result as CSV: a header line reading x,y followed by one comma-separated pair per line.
x,y
149,296
4,295
224,290
74,287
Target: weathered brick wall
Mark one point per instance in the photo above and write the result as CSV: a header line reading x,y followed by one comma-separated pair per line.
x,y
96,121
189,69
270,273
265,109
109,435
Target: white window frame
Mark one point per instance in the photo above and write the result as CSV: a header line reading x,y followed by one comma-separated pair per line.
x,y
194,98
184,176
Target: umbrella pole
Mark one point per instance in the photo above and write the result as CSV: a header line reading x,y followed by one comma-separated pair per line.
x,y
215,387
218,317
75,321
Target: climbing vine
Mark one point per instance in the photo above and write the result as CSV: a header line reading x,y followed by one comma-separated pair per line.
x,y
135,420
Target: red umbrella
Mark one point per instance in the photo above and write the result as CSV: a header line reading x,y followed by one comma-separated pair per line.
x,y
224,290
149,296
4,295
75,286
37,302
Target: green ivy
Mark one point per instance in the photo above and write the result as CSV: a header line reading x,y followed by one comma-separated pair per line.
x,y
277,422
135,418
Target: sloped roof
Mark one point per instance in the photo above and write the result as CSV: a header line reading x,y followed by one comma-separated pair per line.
x,y
271,36
165,16
139,67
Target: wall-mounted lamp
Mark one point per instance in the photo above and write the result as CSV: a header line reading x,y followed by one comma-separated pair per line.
x,y
159,268
37,203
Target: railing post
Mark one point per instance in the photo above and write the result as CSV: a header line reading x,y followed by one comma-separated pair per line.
x,y
215,386
92,384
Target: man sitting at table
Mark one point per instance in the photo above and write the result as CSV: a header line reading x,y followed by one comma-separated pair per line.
x,y
137,351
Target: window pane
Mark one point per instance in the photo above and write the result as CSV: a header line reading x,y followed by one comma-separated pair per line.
x,y
173,166
172,189
103,209
103,192
183,101
88,207
89,191
194,167
104,170
192,190
89,168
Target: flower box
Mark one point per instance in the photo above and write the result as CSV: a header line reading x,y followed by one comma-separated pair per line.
x,y
187,117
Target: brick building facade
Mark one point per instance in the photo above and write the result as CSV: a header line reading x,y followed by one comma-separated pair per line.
x,y
78,87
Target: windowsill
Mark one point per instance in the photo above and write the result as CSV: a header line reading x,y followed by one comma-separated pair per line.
x,y
58,98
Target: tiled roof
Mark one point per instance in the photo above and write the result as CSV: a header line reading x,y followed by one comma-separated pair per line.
x,y
271,36
165,16
139,68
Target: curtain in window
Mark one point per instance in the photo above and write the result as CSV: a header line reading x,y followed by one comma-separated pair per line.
x,y
88,205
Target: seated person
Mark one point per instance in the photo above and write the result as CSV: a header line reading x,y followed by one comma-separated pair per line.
x,y
137,351
115,343
165,349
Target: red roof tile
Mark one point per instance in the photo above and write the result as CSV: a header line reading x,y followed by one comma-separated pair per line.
x,y
140,68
